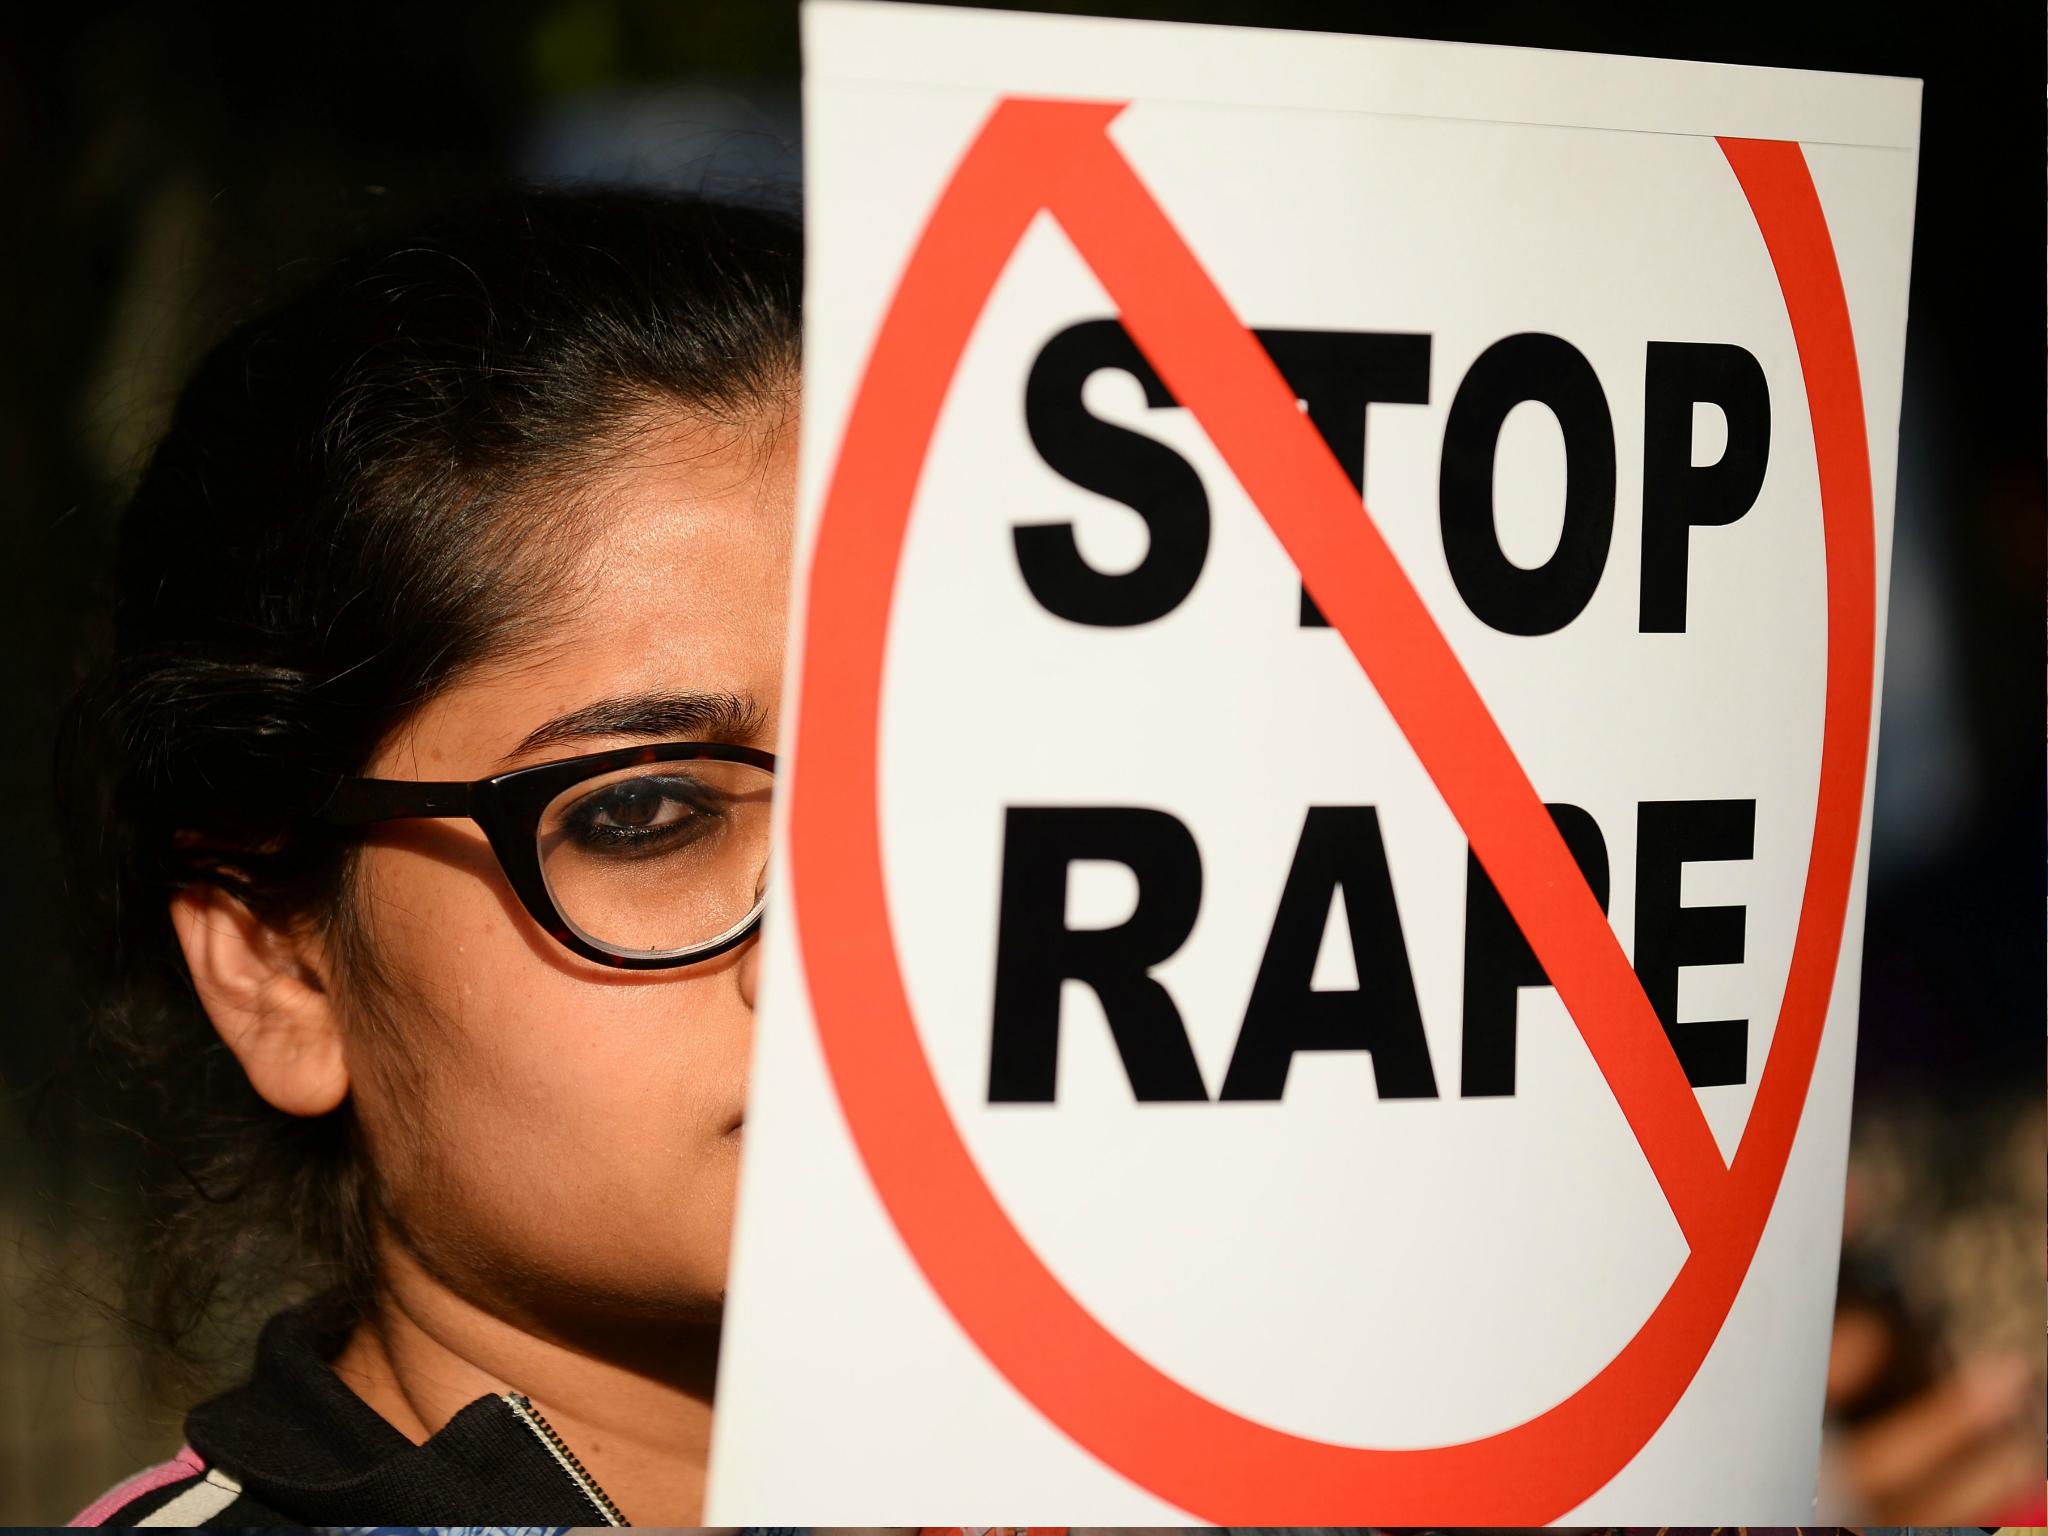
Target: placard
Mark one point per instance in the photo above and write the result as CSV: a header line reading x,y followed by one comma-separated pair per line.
x,y
1312,976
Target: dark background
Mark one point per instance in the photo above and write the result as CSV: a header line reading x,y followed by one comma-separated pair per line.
x,y
163,166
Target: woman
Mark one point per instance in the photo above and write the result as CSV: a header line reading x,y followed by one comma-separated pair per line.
x,y
431,778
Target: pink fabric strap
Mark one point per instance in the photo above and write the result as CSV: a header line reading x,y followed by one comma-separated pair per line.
x,y
186,1464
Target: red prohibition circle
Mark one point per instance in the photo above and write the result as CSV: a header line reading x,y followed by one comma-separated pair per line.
x,y
1057,156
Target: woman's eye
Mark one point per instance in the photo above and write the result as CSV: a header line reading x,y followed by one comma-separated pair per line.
x,y
641,811
634,805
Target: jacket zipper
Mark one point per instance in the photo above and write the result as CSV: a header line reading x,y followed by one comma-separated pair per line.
x,y
523,1410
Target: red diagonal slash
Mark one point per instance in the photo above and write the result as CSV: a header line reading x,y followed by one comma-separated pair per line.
x,y
1201,1457
1218,370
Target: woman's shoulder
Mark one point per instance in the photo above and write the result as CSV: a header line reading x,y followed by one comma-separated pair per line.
x,y
183,1491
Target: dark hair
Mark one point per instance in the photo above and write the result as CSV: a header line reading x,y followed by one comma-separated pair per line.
x,y
360,494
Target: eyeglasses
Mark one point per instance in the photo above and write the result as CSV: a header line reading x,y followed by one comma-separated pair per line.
x,y
640,858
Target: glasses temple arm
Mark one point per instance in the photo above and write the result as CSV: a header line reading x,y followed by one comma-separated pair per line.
x,y
358,802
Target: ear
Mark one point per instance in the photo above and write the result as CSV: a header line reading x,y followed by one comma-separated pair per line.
x,y
264,991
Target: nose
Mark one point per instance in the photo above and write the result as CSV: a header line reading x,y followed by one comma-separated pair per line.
x,y
749,969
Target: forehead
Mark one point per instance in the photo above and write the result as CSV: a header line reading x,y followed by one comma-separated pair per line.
x,y
679,583
690,527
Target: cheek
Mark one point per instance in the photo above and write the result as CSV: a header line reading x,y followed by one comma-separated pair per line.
x,y
539,1123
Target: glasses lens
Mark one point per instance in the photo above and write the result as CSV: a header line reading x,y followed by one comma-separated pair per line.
x,y
659,857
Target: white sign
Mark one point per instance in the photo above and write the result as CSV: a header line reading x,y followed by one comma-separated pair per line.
x,y
1313,976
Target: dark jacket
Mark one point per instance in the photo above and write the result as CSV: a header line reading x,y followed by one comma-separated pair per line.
x,y
294,1446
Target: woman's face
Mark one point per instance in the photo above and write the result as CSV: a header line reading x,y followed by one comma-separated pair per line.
x,y
551,1136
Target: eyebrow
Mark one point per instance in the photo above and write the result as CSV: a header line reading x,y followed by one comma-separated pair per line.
x,y
733,717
